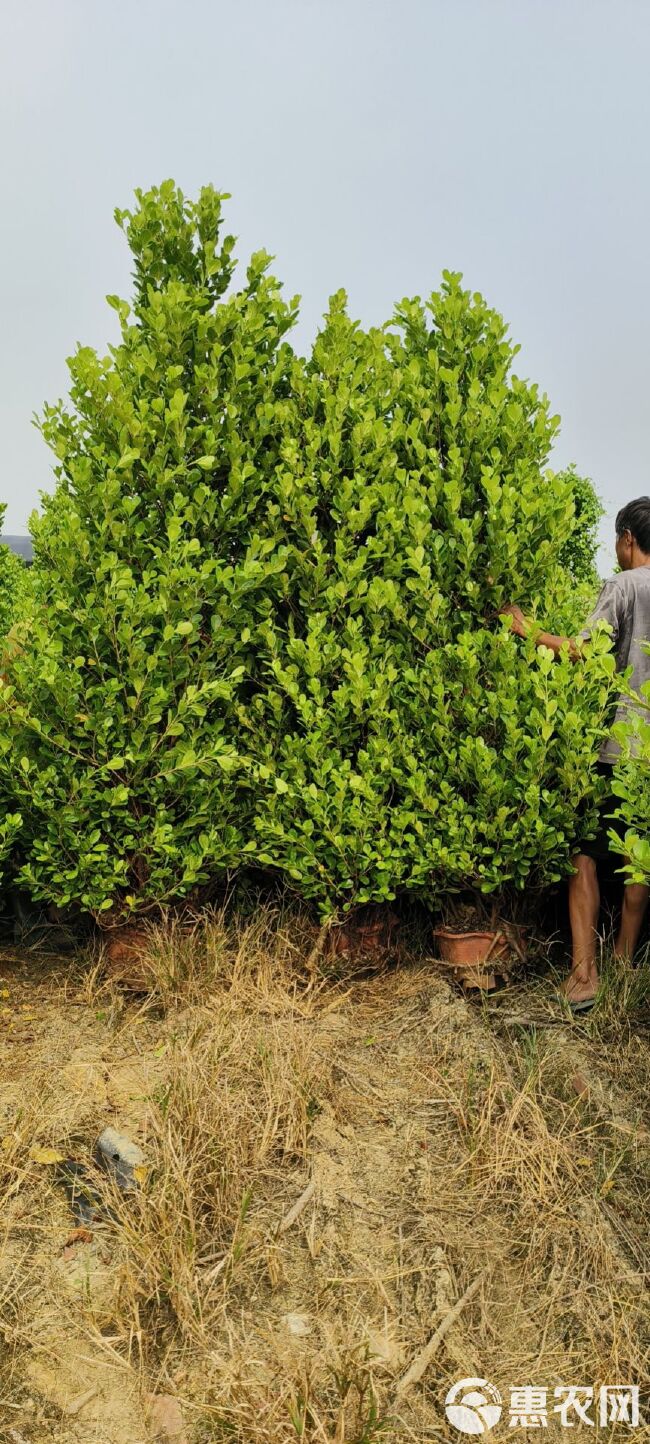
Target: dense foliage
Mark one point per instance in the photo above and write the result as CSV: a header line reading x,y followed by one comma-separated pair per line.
x,y
153,561
412,743
267,626
630,835
578,554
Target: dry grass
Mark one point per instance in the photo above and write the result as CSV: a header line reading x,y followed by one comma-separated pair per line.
x,y
445,1143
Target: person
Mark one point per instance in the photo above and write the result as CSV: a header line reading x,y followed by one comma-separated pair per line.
x,y
624,602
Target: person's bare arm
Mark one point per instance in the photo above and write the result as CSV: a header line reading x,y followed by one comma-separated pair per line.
x,y
549,639
521,626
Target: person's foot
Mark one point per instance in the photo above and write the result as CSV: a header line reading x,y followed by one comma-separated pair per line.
x,y
579,988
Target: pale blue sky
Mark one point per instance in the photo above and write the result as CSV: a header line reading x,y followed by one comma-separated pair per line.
x,y
367,144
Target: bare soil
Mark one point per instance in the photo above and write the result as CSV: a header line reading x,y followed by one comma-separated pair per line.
x,y
443,1143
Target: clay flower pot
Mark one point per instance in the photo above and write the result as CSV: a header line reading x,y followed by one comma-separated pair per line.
x,y
125,953
478,958
368,937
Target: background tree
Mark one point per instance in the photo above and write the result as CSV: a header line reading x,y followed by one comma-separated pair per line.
x,y
580,549
579,553
15,587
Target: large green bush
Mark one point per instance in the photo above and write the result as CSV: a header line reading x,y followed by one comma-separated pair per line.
x,y
268,622
421,746
153,560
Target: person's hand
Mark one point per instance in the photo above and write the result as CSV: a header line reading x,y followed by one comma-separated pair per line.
x,y
518,623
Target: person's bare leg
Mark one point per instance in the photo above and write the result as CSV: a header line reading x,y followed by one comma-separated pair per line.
x,y
584,906
635,902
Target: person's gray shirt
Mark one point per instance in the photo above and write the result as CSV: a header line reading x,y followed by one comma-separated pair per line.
x,y
624,602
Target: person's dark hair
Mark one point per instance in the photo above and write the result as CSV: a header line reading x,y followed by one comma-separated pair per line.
x,y
635,517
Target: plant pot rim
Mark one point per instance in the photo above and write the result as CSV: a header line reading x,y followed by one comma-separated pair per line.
x,y
478,932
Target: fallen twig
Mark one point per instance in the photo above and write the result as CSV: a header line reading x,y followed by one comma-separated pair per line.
x,y
315,953
295,1212
80,1402
521,1021
499,937
423,1359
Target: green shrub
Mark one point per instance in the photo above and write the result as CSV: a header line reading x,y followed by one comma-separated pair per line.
x,y
579,552
630,836
412,742
267,623
153,562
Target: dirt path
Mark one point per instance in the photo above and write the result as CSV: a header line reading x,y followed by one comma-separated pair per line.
x,y
443,1147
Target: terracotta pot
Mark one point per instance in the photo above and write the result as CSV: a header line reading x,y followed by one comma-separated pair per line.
x,y
463,948
125,952
369,936
479,957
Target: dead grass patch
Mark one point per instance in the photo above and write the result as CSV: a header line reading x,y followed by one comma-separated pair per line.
x,y
442,1146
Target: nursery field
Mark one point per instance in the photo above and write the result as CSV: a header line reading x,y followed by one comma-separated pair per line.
x,y
268,652
332,1163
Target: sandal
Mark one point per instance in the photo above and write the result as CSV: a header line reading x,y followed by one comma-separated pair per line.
x,y
583,1007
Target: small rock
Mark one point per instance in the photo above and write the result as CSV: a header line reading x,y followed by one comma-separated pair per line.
x,y
167,1418
297,1324
120,1157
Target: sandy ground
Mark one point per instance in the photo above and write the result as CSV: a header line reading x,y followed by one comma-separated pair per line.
x,y
450,1145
